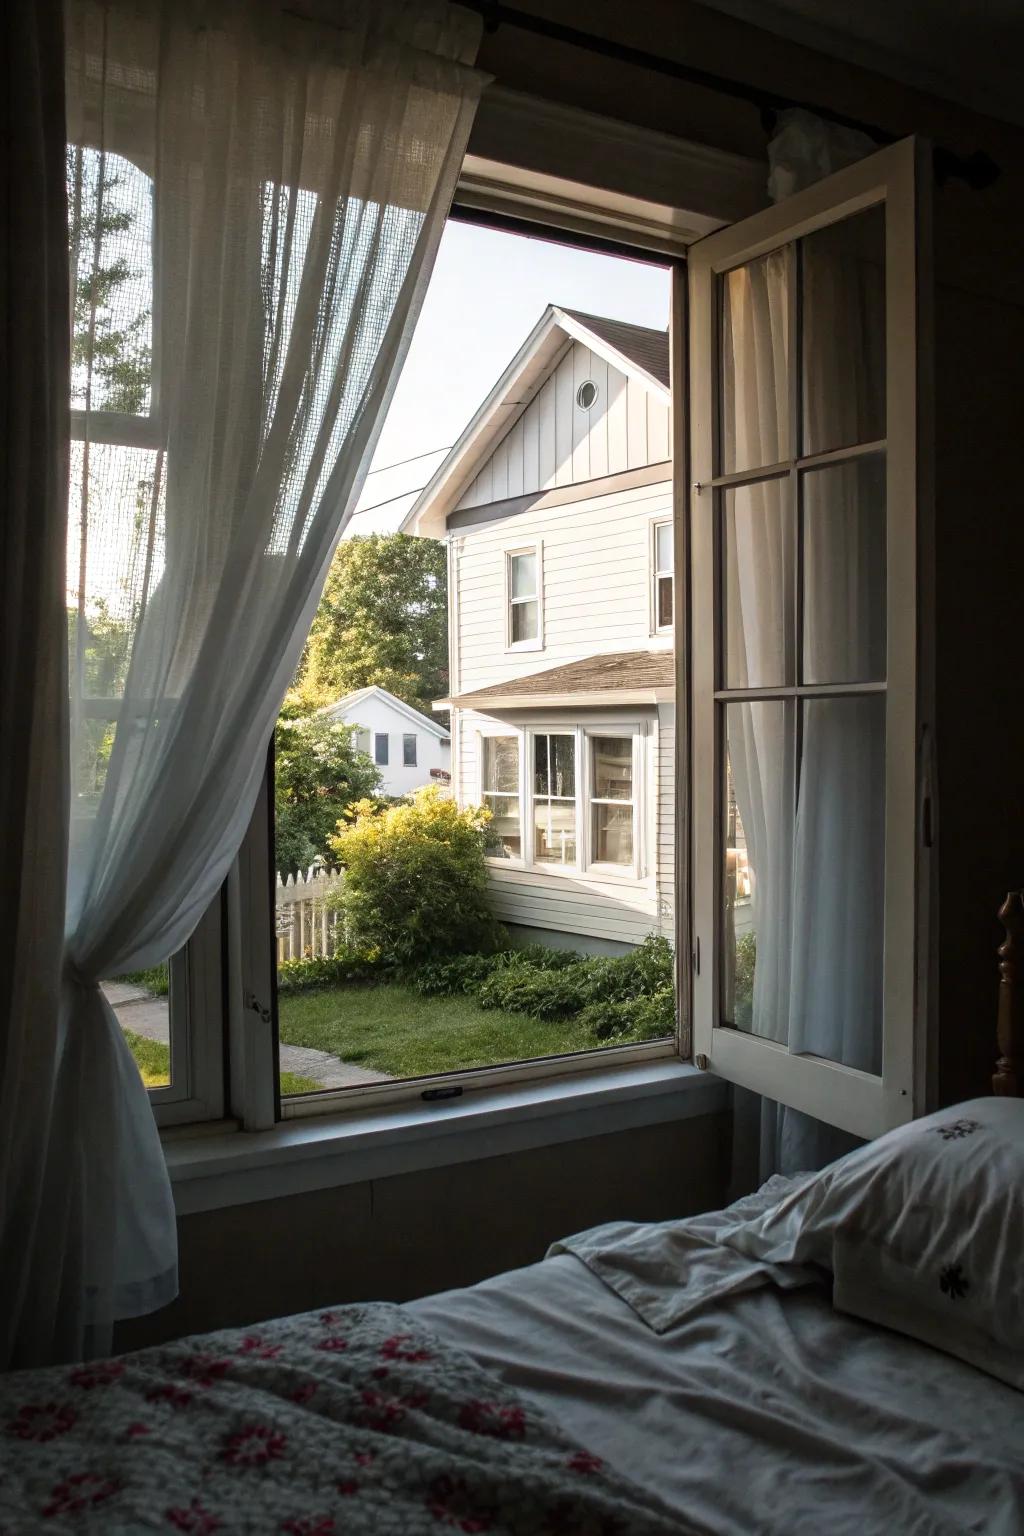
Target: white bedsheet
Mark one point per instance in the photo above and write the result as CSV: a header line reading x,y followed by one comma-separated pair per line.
x,y
763,1413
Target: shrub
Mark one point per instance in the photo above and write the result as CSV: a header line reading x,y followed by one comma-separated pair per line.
x,y
555,984
520,987
327,971
156,979
451,978
743,979
415,879
639,1018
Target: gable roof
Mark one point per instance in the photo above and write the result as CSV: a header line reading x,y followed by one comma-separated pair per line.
x,y
635,350
625,677
352,700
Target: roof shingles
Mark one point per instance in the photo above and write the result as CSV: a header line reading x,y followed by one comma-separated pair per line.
x,y
625,672
647,348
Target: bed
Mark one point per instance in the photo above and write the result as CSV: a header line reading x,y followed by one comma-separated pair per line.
x,y
808,1360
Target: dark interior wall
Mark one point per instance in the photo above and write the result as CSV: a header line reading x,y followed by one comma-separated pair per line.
x,y
408,1236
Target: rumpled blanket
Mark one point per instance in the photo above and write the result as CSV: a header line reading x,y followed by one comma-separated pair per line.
x,y
354,1420
666,1271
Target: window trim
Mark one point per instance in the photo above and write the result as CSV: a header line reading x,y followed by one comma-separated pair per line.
x,y
385,737
661,520
485,730
537,550
407,737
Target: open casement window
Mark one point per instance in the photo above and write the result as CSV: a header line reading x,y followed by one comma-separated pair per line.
x,y
804,433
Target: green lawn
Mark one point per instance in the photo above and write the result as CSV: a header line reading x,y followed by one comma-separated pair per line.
x,y
394,1029
154,1061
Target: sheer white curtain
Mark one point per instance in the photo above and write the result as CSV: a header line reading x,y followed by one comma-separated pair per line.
x,y
816,889
281,185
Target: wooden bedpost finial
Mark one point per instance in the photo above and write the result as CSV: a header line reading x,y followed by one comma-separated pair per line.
x,y
1008,1078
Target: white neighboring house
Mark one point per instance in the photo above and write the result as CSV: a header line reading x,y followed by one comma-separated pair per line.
x,y
556,504
409,749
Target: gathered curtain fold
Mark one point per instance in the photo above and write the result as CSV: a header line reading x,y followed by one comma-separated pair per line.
x,y
257,197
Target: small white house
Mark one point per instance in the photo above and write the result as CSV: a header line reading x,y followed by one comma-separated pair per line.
x,y
556,505
409,749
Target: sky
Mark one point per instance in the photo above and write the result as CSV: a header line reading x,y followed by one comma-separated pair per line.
x,y
486,293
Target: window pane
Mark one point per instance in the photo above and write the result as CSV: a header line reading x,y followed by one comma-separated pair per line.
x,y
525,622
838,883
757,569
613,767
757,861
844,572
142,1002
110,227
409,751
665,604
753,378
555,831
501,763
563,765
524,575
380,749
663,542
842,273
504,840
613,834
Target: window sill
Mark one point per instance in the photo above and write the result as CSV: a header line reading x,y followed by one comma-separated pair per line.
x,y
213,1169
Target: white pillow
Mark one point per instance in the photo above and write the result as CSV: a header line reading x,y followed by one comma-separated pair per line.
x,y
923,1231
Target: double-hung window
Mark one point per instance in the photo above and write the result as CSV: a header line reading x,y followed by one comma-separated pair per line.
x,y
523,580
409,751
499,792
380,748
612,801
662,577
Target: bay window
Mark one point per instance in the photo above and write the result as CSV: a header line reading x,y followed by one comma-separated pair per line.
x,y
612,805
500,794
554,799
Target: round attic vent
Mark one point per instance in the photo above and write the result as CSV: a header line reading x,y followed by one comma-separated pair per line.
x,y
586,395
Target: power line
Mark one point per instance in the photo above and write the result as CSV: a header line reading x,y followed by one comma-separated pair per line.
x,y
400,462
360,510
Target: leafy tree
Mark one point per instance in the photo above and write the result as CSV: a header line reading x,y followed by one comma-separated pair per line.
x,y
383,619
110,335
105,650
318,774
415,879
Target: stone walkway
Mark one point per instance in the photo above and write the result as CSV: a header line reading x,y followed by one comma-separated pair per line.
x,y
144,1014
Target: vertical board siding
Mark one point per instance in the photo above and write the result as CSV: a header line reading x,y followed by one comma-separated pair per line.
x,y
555,442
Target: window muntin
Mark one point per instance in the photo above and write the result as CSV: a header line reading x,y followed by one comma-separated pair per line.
x,y
499,792
523,579
380,748
663,564
554,798
612,802
409,750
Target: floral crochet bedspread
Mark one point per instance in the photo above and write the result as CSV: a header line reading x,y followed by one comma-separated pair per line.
x,y
352,1421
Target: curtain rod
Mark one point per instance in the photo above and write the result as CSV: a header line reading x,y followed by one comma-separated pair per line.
x,y
978,169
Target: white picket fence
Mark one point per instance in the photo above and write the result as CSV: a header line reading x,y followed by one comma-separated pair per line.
x,y
306,926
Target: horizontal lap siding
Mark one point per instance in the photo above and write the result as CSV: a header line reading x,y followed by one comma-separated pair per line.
x,y
596,583
665,819
554,442
574,906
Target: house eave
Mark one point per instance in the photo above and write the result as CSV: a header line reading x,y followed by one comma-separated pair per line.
x,y
490,703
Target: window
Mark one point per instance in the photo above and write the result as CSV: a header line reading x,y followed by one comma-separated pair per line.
x,y
804,639
499,792
586,395
524,602
380,748
554,799
409,751
611,800
663,566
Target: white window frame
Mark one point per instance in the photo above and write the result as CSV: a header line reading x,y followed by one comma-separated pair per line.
x,y
407,737
537,551
658,574
858,1102
484,731
642,769
385,737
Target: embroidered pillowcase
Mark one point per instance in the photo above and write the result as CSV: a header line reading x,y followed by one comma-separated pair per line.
x,y
923,1231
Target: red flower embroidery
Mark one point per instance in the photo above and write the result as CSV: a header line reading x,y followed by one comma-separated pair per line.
x,y
504,1421
100,1374
253,1446
309,1525
450,1502
42,1421
328,1318
204,1369
178,1397
196,1519
78,1492
365,1458
136,1431
333,1344
303,1392
348,1488
385,1410
393,1349
585,1462
252,1344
